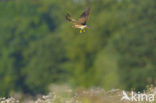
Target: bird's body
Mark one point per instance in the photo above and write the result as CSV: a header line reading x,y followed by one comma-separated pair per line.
x,y
81,22
80,26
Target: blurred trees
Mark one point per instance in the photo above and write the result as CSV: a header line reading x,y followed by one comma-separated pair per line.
x,y
38,46
136,46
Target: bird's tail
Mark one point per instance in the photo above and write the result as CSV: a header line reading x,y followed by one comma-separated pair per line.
x,y
89,27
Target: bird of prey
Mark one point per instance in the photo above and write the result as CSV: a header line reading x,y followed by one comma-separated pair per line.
x,y
81,22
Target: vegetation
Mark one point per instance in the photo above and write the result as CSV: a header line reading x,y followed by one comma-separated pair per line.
x,y
65,94
39,47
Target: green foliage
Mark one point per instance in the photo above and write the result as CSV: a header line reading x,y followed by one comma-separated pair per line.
x,y
38,46
45,60
136,46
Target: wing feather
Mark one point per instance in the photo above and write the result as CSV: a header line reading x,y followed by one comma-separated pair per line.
x,y
84,16
69,18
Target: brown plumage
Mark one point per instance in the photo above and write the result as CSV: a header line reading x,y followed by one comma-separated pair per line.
x,y
81,22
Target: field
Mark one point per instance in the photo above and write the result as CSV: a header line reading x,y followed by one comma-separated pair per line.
x,y
64,94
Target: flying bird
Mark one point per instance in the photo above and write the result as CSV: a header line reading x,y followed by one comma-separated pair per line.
x,y
81,22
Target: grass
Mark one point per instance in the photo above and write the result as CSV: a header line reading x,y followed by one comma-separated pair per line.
x,y
64,94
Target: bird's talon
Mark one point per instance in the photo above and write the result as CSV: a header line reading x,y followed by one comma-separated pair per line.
x,y
80,31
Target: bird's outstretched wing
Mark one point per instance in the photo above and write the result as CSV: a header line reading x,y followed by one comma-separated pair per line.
x,y
84,16
69,18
